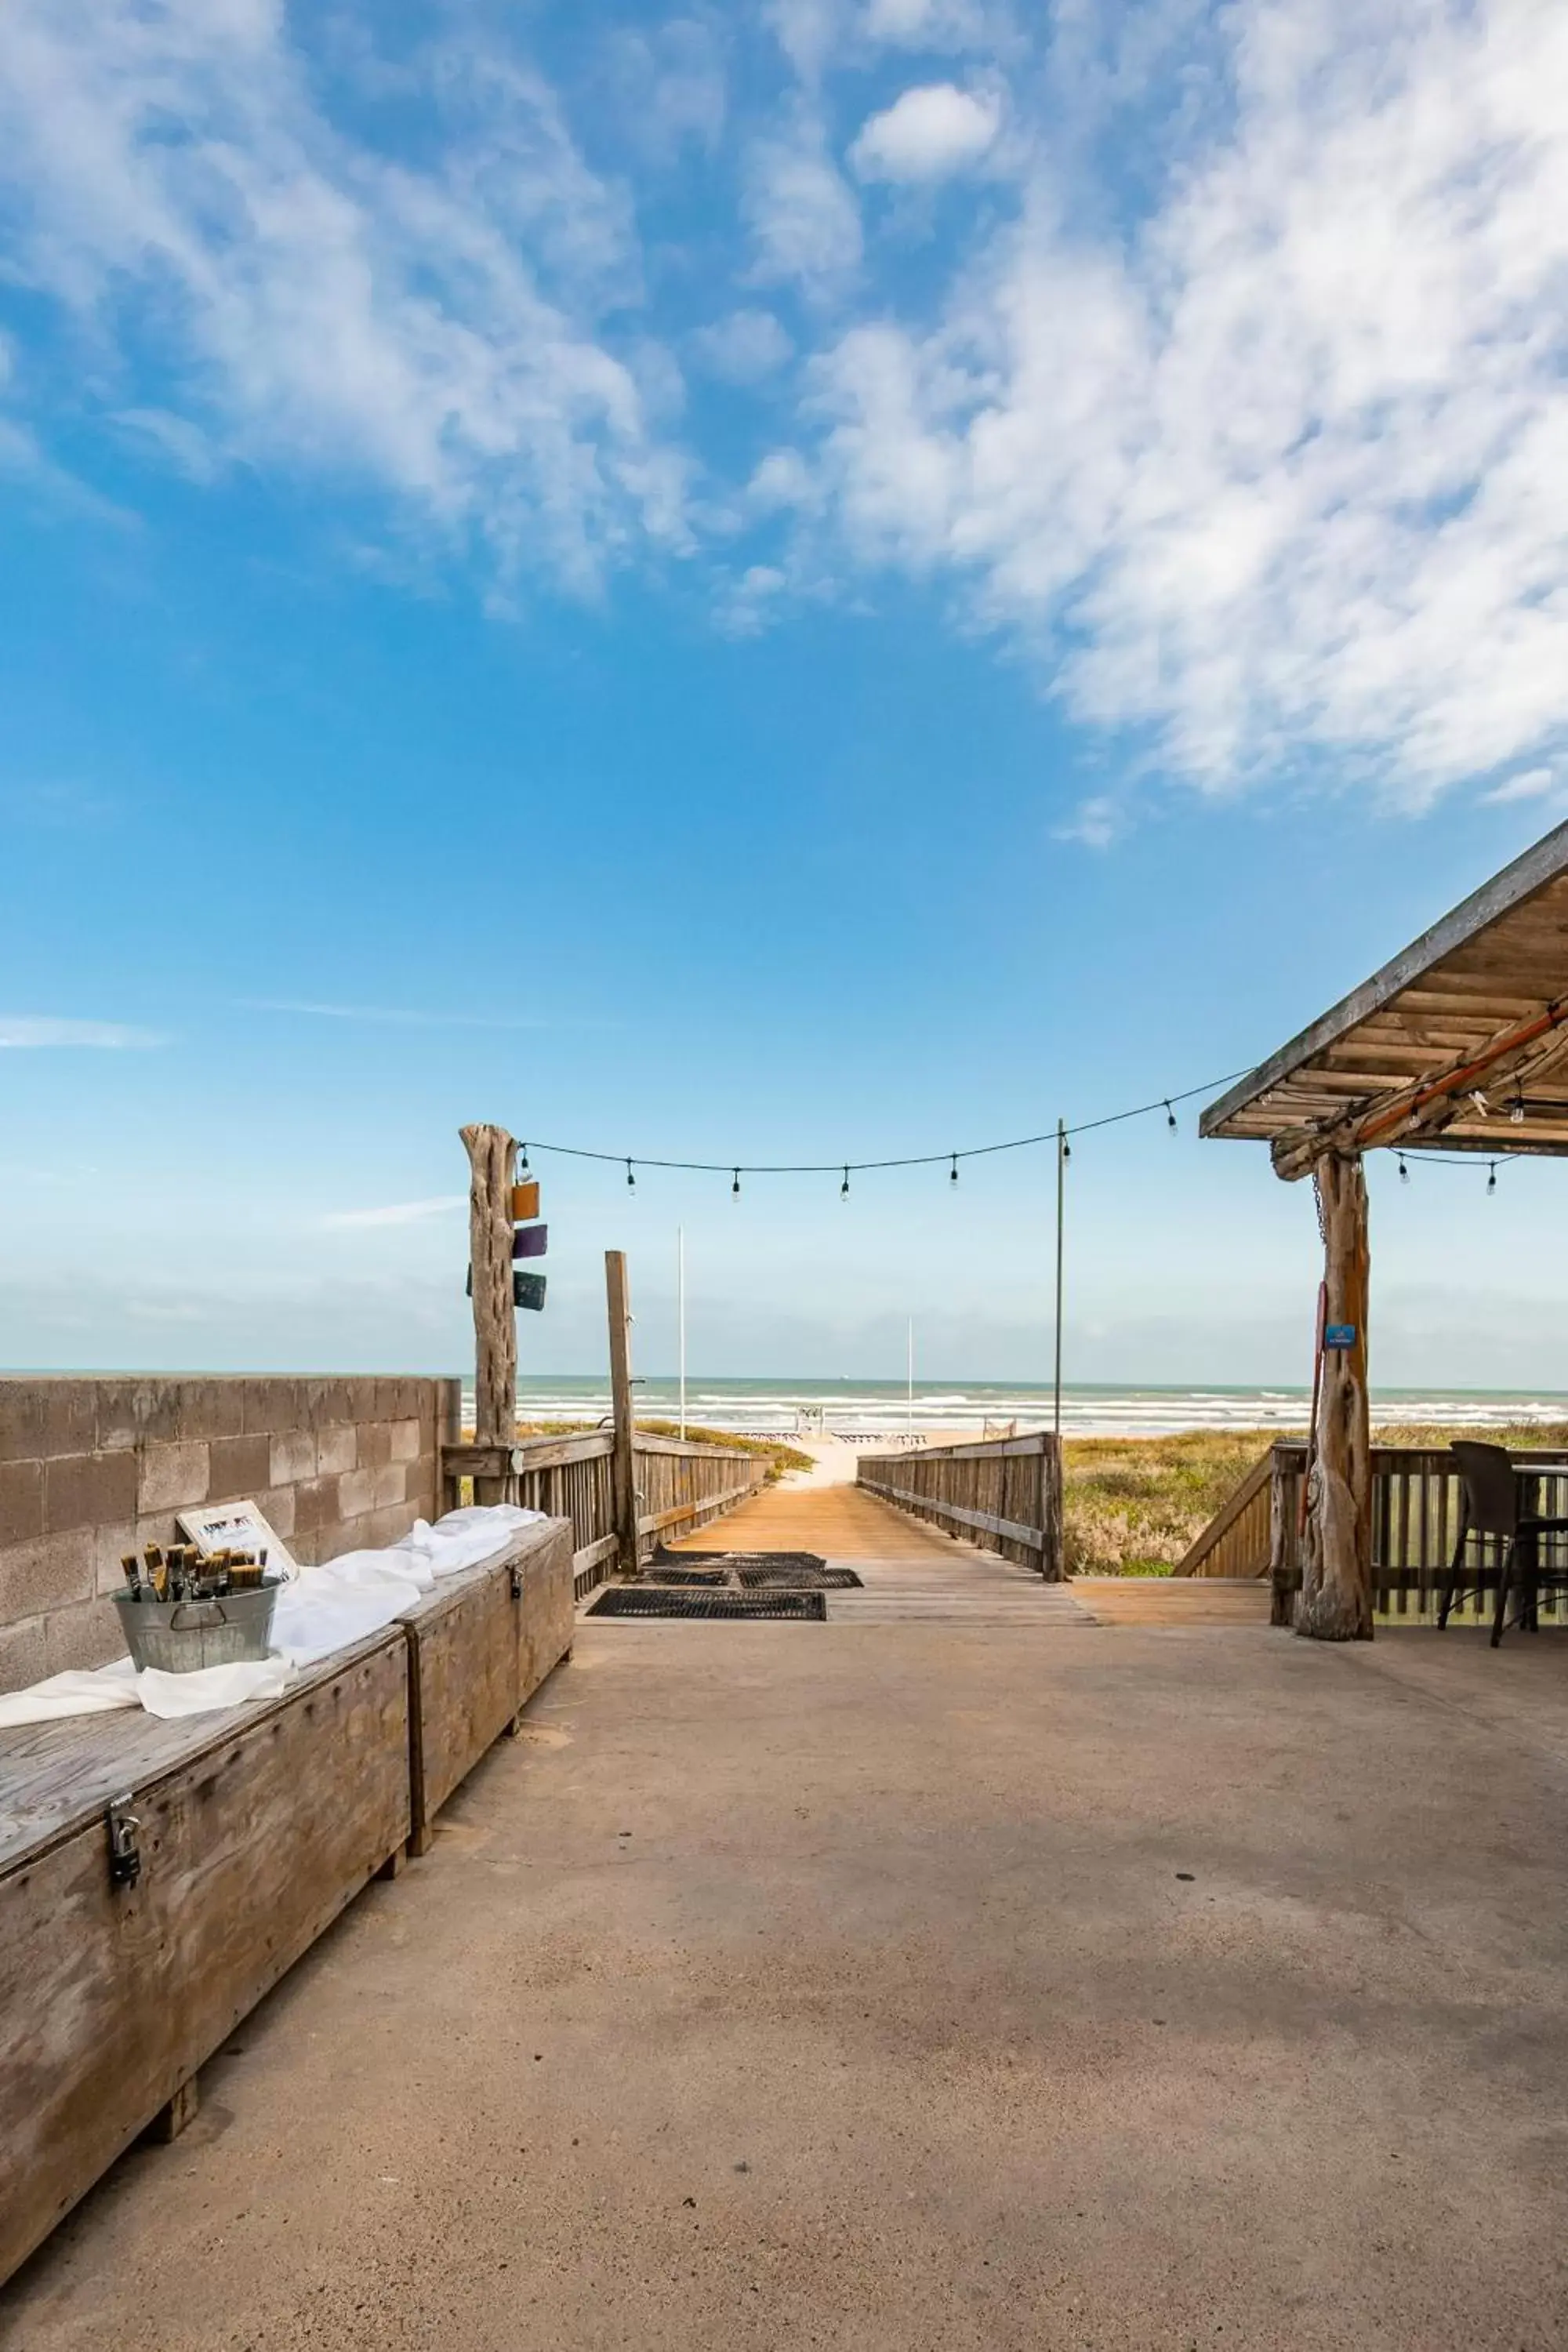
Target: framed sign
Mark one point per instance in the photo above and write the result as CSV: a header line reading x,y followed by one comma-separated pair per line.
x,y
234,1527
1338,1335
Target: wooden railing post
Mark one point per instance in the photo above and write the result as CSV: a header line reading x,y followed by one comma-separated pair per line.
x,y
492,1155
624,1454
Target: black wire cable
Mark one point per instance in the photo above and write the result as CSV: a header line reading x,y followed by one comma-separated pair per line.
x,y
853,1167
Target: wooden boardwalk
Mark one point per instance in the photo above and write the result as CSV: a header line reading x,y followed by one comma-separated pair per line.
x,y
912,1573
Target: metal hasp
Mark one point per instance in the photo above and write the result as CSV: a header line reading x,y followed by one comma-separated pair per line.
x,y
125,1853
516,1581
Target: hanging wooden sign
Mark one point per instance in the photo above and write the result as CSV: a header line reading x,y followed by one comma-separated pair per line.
x,y
524,1202
528,1290
530,1241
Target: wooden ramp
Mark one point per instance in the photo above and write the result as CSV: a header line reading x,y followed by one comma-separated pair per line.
x,y
912,1573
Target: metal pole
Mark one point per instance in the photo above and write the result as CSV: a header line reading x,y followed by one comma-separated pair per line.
x,y
681,1311
622,1458
1061,1215
909,1418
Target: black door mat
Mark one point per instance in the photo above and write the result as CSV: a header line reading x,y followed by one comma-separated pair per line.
x,y
709,1576
770,1578
650,1601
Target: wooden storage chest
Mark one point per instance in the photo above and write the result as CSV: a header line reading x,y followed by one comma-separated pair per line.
x,y
479,1647
253,1829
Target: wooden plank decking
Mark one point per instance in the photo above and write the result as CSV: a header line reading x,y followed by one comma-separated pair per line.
x,y
912,1573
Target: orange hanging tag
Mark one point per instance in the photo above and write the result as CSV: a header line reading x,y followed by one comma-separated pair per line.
x,y
524,1202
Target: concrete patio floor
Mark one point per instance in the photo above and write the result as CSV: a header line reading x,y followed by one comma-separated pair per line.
x,y
894,1986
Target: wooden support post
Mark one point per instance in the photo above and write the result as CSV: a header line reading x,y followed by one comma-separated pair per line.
x,y
181,2111
1335,1603
492,1157
623,1462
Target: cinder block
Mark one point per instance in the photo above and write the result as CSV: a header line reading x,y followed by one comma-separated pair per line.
x,y
387,1526
404,1437
21,1420
211,1408
87,1635
374,1443
241,1467
277,1508
153,1407
110,1546
337,1449
23,1654
293,1457
175,1476
421,1487
82,1489
315,1504
71,1417
268,1406
45,1573
21,1501
390,1486
117,1428
356,1493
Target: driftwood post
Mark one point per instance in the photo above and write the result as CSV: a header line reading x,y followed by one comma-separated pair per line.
x,y
622,1461
492,1158
1335,1604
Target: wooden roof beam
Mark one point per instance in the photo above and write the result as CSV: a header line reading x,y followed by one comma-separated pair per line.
x,y
1417,1114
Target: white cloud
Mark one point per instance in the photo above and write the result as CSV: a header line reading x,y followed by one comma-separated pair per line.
x,y
434,331
1282,473
928,23
745,347
804,222
32,1032
395,1213
1534,784
926,134
1096,822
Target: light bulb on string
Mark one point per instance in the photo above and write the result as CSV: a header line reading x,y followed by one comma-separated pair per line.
x,y
1491,1176
1404,1171
524,1170
1516,1114
1066,1149
952,1172
631,1179
844,1188
1170,1119
735,1187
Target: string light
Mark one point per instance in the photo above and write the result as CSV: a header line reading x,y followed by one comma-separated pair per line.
x,y
844,1188
1516,1116
909,1159
631,1179
524,1170
1066,1149
735,1187
1404,1171
1491,1176
1170,1119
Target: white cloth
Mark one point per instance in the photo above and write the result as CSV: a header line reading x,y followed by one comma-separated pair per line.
x,y
325,1609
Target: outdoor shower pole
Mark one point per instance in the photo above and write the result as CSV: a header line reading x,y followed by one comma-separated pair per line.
x,y
1062,1214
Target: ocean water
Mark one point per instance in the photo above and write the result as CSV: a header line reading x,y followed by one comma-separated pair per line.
x,y
860,1410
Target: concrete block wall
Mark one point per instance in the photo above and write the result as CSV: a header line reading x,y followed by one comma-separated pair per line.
x,y
91,1469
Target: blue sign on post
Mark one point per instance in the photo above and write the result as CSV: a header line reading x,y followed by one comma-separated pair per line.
x,y
1338,1335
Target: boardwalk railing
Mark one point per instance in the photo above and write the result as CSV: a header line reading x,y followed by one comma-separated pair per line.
x,y
679,1488
1236,1540
1008,1492
1415,1513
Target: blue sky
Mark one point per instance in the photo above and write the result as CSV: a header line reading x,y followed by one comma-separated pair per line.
x,y
801,581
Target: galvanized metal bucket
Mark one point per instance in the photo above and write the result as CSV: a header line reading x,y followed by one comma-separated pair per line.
x,y
179,1636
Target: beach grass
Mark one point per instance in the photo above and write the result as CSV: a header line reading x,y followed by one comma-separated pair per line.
x,y
1134,1506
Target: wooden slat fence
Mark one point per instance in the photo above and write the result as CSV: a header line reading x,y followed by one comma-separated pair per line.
x,y
1008,1492
1238,1540
679,1488
1415,1510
